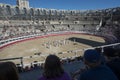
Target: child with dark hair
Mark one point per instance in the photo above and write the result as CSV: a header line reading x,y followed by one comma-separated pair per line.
x,y
8,71
53,69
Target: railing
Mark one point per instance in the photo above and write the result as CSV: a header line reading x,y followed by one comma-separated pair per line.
x,y
35,56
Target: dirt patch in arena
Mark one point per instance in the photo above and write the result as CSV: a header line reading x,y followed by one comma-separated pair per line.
x,y
62,45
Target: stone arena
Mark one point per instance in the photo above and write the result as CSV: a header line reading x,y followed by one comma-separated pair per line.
x,y
29,34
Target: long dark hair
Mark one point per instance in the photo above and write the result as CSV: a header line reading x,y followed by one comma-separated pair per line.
x,y
8,71
52,67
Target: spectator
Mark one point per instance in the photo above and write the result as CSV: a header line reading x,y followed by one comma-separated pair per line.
x,y
8,71
96,71
113,60
53,69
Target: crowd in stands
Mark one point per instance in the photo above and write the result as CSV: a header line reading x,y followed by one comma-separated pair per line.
x,y
14,31
10,31
111,31
107,29
117,31
98,65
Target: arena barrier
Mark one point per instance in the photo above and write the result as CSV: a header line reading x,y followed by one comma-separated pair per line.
x,y
5,43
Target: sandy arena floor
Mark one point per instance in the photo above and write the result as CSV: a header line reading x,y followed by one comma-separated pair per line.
x,y
61,45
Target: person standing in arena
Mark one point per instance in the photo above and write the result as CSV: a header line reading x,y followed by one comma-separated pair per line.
x,y
53,70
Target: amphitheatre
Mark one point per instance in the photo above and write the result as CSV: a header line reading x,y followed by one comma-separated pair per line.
x,y
28,35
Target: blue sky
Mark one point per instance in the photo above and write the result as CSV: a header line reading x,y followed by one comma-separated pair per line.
x,y
70,4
